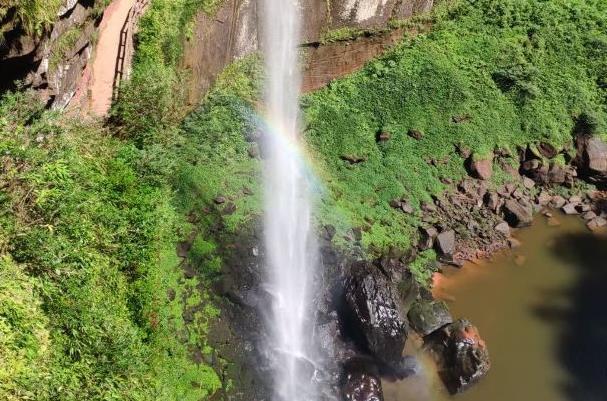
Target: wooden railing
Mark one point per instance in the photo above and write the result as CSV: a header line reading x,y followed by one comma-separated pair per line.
x,y
126,46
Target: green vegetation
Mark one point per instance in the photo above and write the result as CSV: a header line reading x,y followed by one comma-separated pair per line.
x,y
87,258
64,45
92,294
34,15
339,34
490,74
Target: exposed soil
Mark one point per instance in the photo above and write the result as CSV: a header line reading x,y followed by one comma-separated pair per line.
x,y
104,64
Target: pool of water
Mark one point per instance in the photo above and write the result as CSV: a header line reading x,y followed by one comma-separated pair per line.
x,y
542,309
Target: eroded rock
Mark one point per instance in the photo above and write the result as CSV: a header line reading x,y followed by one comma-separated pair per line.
x,y
373,310
461,355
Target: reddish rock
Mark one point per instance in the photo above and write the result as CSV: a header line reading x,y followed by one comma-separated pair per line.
x,y
461,355
544,198
569,209
528,183
518,214
547,150
589,215
597,223
592,158
481,168
557,202
503,228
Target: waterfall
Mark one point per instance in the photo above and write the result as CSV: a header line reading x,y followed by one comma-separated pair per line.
x,y
290,244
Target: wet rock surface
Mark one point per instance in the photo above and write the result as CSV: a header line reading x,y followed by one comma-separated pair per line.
x,y
427,316
371,303
361,382
461,355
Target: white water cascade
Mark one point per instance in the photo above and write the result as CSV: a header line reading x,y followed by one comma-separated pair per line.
x,y
290,244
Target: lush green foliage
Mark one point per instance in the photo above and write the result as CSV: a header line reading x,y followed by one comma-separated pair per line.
x,y
33,15
490,74
154,98
85,261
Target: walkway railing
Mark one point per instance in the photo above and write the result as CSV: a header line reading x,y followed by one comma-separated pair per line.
x,y
126,46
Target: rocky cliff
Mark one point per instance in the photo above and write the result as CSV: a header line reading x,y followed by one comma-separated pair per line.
x,y
52,58
235,31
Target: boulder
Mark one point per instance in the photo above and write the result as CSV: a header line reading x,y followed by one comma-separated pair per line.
x,y
492,200
461,355
427,235
481,168
406,207
373,310
426,317
544,198
361,382
597,223
445,243
557,202
503,228
590,215
569,209
528,183
518,214
592,158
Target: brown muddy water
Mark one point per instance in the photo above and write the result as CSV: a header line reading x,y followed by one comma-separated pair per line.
x,y
542,310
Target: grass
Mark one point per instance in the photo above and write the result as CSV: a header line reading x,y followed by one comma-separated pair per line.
x,y
90,216
64,45
35,16
512,72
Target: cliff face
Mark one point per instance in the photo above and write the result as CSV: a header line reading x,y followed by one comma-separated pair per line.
x,y
235,31
51,61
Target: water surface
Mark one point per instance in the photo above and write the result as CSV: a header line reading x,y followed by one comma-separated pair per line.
x,y
541,309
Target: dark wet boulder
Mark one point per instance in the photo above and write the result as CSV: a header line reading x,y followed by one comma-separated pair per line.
x,y
361,382
374,313
461,355
427,316
518,214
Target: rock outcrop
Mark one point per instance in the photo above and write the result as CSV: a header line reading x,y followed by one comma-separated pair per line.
x,y
371,301
592,158
50,62
235,31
